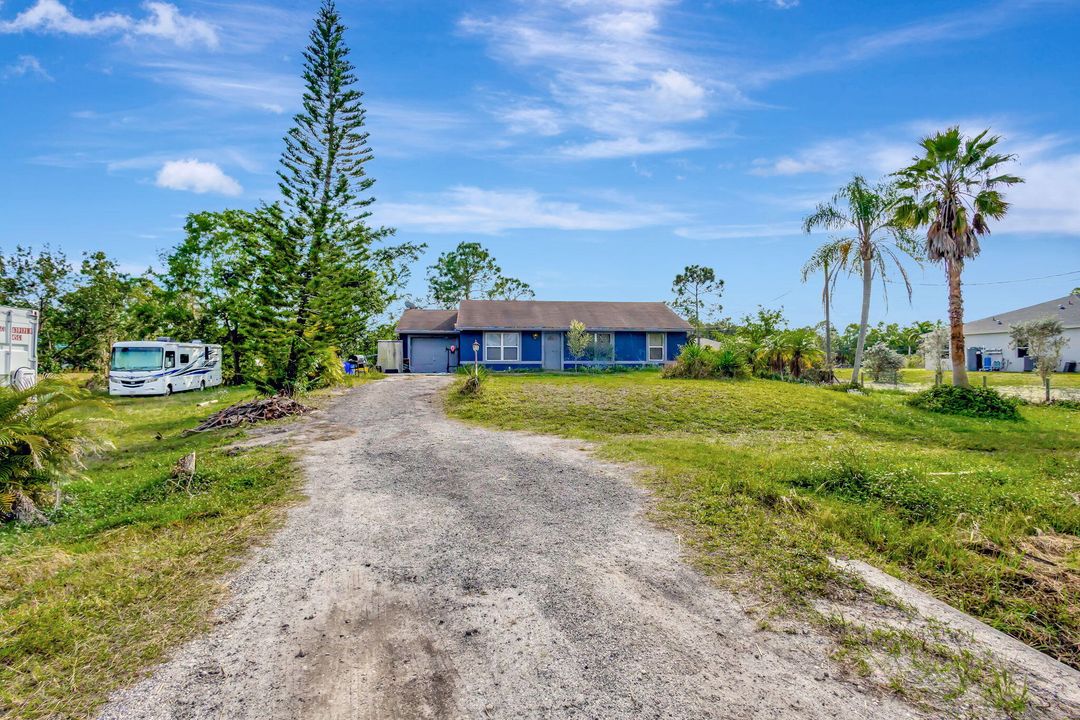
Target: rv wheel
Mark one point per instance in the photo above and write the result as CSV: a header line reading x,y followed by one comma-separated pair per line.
x,y
202,385
168,390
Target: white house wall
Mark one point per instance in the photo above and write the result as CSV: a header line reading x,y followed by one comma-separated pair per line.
x,y
1013,363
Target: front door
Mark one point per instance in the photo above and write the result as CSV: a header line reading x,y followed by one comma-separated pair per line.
x,y
553,352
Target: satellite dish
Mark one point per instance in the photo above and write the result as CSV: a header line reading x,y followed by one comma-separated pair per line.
x,y
410,305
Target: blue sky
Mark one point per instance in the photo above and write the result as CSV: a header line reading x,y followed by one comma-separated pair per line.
x,y
595,146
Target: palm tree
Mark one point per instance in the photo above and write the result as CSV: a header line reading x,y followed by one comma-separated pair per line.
x,y
829,258
869,210
801,349
41,445
952,189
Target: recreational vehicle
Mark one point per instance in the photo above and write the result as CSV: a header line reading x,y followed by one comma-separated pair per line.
x,y
163,366
18,347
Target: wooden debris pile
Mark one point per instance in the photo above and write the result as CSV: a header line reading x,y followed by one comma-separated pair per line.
x,y
252,411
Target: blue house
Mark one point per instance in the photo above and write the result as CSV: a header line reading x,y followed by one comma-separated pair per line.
x,y
531,334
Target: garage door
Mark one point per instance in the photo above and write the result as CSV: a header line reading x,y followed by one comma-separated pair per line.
x,y
429,354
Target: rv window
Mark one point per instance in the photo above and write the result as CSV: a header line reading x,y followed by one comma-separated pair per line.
x,y
170,359
136,358
206,353
184,359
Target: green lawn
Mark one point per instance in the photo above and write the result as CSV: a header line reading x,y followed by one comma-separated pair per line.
x,y
132,565
918,376
769,478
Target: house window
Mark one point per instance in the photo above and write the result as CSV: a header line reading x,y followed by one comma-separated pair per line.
x,y
1021,352
501,346
656,346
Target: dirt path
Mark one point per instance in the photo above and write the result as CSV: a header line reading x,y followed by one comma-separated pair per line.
x,y
445,571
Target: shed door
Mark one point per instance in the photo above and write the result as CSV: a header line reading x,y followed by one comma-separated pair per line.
x,y
429,354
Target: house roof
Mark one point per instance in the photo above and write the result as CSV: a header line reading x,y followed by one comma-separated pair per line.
x,y
542,315
1067,309
415,320
557,315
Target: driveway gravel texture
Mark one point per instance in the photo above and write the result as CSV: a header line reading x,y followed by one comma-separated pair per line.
x,y
440,570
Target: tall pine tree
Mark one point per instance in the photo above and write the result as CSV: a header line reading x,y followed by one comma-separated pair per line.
x,y
322,280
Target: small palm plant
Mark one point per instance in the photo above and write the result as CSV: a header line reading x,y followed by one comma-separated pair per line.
x,y
829,259
42,443
802,350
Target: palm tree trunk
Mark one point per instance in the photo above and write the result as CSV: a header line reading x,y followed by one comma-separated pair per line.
x,y
864,319
956,324
828,325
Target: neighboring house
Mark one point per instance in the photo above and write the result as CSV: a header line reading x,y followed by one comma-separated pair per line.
x,y
531,334
988,338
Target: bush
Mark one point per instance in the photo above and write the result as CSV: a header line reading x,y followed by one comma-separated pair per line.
x,y
883,363
967,401
42,443
699,363
473,379
819,375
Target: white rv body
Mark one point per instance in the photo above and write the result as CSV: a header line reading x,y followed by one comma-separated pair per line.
x,y
18,346
162,367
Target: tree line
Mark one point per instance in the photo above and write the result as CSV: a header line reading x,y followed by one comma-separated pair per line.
x,y
285,287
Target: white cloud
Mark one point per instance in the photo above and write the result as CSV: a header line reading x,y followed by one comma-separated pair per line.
x,y
489,212
196,176
163,20
662,142
232,83
738,232
531,119
866,154
23,66
1044,203
863,46
1047,201
604,68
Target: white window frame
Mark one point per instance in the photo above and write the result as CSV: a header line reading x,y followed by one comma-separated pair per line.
x,y
501,346
649,347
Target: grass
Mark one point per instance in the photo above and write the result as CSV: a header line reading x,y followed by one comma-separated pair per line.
x,y
131,565
919,376
768,479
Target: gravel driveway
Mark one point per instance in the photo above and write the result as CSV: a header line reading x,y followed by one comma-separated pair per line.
x,y
447,571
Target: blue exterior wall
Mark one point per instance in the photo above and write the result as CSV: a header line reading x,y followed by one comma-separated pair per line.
x,y
630,347
675,341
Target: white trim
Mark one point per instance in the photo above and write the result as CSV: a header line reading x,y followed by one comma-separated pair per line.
x,y
519,328
662,346
616,362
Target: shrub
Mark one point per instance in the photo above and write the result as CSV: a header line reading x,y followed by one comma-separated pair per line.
x,y
41,445
473,381
883,363
819,375
967,401
698,363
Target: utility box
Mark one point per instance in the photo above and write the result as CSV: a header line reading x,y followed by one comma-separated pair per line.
x,y
389,357
18,347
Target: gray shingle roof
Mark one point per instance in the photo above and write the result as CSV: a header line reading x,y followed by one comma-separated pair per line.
x,y
542,315
557,315
1067,309
415,320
